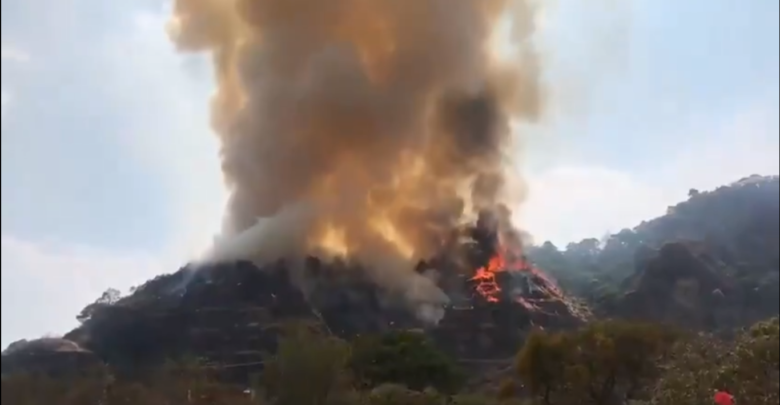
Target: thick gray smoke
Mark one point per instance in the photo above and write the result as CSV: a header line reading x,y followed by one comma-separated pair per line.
x,y
364,128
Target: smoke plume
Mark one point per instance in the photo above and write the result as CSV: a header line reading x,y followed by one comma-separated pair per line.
x,y
363,128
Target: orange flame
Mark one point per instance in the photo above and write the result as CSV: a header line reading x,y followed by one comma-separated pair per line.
x,y
485,276
487,284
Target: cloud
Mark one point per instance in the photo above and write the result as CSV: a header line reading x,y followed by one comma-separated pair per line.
x,y
10,53
46,284
171,133
5,99
151,115
13,55
159,110
572,202
740,144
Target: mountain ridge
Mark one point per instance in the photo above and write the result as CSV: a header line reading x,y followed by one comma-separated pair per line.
x,y
681,268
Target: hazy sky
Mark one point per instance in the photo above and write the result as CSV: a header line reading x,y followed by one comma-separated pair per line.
x,y
110,173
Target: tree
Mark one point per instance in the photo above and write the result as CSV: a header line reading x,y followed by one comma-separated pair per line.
x,y
131,393
615,359
394,394
406,358
738,225
177,381
307,356
754,370
34,389
747,367
108,298
541,363
596,364
27,389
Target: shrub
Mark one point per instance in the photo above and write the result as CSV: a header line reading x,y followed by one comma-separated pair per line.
x,y
405,358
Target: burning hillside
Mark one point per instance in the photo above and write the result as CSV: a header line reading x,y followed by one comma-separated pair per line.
x,y
227,313
358,139
507,265
364,130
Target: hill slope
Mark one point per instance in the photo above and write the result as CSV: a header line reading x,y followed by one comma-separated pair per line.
x,y
711,262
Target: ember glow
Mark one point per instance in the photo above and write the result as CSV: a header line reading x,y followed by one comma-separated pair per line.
x,y
487,286
505,260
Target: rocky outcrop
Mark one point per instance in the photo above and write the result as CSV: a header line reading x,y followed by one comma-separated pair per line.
x,y
223,314
711,262
687,285
51,356
228,314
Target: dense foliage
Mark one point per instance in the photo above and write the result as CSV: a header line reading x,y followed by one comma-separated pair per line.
x,y
737,226
406,358
603,363
597,364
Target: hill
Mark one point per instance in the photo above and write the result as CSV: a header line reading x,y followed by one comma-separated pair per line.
x,y
230,313
710,263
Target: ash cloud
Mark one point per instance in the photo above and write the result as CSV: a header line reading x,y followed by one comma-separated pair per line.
x,y
362,128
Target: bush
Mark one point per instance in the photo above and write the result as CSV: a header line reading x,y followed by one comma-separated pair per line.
x,y
597,364
406,358
310,368
747,367
394,394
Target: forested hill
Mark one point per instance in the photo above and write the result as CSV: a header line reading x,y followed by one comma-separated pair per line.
x,y
710,264
728,239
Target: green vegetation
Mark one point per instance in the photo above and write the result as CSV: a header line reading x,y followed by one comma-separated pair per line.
x,y
711,263
739,221
406,358
603,363
598,364
733,232
747,367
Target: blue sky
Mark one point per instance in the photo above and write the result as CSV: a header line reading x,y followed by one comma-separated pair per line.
x,y
110,173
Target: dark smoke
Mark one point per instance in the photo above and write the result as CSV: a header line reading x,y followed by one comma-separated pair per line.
x,y
362,128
